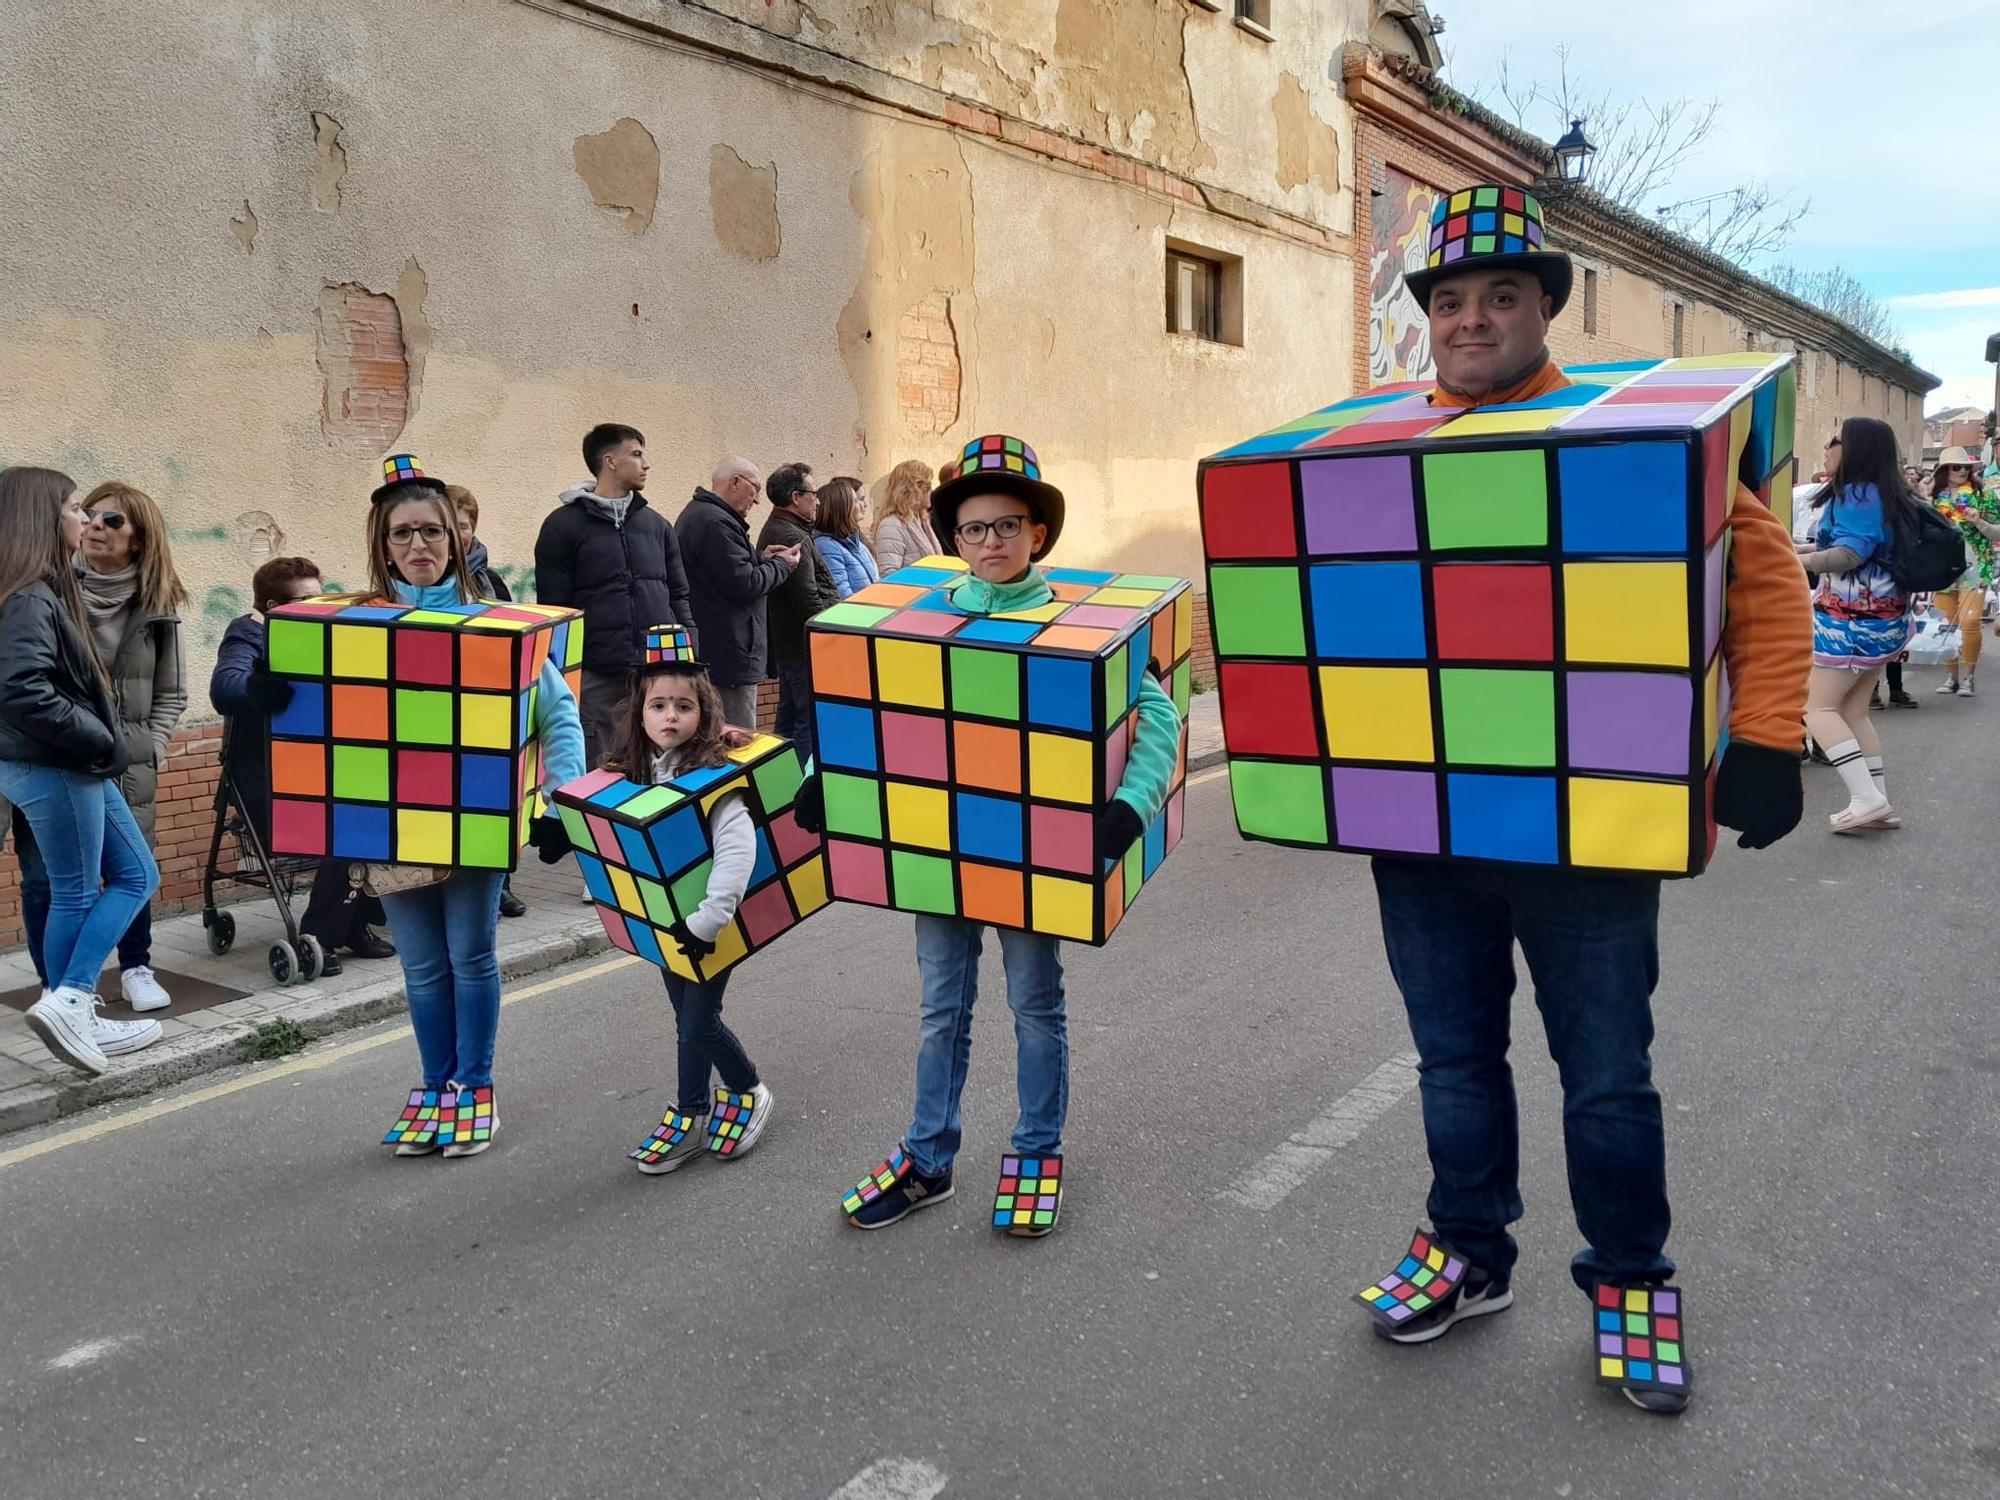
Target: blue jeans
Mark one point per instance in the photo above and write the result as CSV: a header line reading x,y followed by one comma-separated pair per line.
x,y
948,960
444,936
1592,945
135,947
100,872
795,704
705,1042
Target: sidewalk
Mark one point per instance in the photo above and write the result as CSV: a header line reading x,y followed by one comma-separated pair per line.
x,y
200,1038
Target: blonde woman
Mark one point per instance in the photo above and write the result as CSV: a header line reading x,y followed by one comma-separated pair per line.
x,y
903,530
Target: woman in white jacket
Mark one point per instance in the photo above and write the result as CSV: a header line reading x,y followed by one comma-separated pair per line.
x,y
903,530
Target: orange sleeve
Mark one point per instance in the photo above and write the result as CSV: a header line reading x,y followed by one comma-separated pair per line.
x,y
1767,642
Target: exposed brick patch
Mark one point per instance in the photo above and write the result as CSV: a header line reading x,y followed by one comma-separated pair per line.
x,y
928,370
364,371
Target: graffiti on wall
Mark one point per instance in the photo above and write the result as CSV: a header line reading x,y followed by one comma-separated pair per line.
x,y
1399,337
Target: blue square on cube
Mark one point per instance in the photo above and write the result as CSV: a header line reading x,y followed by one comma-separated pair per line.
x,y
1059,693
1607,1322
678,841
360,832
764,866
1503,817
524,717
938,603
989,828
1624,497
1763,431
305,716
644,943
1372,610
703,777
1641,1369
595,880
637,855
486,781
1002,1217
1000,632
1135,671
1156,844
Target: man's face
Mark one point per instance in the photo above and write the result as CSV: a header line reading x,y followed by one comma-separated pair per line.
x,y
1486,326
742,490
627,464
805,499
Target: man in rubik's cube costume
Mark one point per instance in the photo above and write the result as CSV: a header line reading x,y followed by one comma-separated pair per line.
x,y
1481,632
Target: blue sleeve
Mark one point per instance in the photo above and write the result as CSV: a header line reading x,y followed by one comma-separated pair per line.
x,y
560,729
238,656
837,565
1854,520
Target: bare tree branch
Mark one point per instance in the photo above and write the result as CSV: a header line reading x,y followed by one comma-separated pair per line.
x,y
1839,292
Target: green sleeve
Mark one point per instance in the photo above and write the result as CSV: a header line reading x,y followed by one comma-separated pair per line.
x,y
1156,749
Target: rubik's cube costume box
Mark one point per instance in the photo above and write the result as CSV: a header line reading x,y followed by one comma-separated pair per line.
x,y
410,735
646,852
1491,635
669,643
964,757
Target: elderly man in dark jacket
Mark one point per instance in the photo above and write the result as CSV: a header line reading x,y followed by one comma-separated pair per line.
x,y
605,551
728,582
810,589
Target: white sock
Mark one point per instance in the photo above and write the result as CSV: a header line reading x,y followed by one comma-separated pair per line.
x,y
1876,775
1846,759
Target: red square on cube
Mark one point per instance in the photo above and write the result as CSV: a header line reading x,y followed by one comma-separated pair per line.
x,y
1246,511
766,913
1267,709
424,656
1494,612
1718,483
298,827
423,777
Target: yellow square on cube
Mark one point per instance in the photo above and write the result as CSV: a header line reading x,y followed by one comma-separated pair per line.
x,y
1461,201
1739,435
1487,423
1377,713
622,886
423,838
1126,597
1611,1369
1512,224
1626,612
486,720
1711,699
729,946
1635,1299
1059,767
677,961
1183,626
910,672
1628,825
1062,908
919,815
360,651
808,883
1435,1260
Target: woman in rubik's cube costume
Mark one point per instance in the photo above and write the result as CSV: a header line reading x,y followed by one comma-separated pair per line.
x,y
1003,518
445,928
1490,287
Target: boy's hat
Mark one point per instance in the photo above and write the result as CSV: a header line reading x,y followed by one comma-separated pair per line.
x,y
1490,227
1008,466
401,472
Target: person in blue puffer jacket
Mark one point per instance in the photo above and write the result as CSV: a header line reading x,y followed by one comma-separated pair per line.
x,y
843,506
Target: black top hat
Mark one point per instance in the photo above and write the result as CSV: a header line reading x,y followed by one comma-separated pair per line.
x,y
1490,228
401,472
1008,466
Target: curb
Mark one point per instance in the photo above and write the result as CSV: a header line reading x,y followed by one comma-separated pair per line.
x,y
211,1050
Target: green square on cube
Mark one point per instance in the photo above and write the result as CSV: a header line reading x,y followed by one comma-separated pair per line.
x,y
778,781
423,718
1493,498
1498,717
691,888
922,882
361,773
1183,688
1279,801
986,683
659,906
485,841
298,648
1117,685
1257,611
853,805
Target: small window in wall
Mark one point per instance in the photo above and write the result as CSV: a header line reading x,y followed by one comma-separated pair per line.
x,y
1589,300
1680,329
1204,293
1254,15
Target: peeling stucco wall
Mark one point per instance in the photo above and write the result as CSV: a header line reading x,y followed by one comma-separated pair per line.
x,y
1308,147
329,169
621,168
743,201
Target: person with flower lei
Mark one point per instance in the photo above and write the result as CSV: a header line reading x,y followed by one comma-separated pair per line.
x,y
1958,496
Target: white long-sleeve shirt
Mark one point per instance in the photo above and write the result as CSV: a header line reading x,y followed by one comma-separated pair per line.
x,y
734,845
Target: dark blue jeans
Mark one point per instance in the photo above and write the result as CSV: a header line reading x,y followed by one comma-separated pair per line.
x,y
1592,945
795,716
135,946
706,1042
444,936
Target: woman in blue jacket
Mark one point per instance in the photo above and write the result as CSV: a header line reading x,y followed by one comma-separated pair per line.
x,y
843,506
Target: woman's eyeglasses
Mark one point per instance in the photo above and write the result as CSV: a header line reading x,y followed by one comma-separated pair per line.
x,y
402,536
110,520
1006,528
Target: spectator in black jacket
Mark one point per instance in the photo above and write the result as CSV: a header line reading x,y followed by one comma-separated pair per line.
x,y
810,589
728,582
605,551
246,695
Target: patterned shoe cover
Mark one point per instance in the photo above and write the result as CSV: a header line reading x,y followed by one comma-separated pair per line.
x,y
879,1181
1638,1332
1029,1196
728,1119
669,1133
418,1124
466,1116
1427,1275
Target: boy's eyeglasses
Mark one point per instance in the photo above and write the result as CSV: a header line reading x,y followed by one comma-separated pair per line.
x,y
110,520
1006,528
402,536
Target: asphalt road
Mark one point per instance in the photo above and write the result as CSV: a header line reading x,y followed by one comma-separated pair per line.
x,y
233,1291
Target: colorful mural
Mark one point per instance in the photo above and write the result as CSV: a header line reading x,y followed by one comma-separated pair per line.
x,y
1399,337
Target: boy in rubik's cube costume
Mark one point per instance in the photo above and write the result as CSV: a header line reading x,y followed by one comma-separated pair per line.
x,y
1488,631
994,749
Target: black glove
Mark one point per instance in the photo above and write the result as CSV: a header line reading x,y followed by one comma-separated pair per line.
x,y
1759,792
695,948
809,806
1118,828
550,839
270,694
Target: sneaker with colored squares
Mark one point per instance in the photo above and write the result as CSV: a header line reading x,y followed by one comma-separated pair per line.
x,y
736,1120
415,1130
468,1119
675,1141
892,1192
1640,1349
1431,1288
1029,1197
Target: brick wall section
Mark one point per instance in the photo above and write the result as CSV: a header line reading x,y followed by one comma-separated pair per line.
x,y
928,371
364,378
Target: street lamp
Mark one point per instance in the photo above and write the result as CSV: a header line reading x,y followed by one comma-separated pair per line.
x,y
1573,153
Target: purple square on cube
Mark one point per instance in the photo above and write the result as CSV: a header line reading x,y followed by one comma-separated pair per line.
x,y
1670,1375
1667,1304
1454,250
1612,1344
1630,721
1453,1268
1684,377
1632,418
1356,505
1713,583
1394,810
1399,1312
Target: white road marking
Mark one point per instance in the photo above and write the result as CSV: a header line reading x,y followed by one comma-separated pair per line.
x,y
893,1479
1270,1181
89,1352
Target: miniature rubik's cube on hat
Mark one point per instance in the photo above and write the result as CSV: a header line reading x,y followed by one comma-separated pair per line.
x,y
669,643
646,853
1491,635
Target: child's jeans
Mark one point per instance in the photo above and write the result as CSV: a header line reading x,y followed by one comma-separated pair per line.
x,y
948,959
706,1042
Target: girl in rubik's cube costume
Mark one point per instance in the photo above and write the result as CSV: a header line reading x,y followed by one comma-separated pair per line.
x,y
672,724
1003,518
444,927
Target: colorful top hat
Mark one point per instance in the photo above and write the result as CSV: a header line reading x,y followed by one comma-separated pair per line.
x,y
401,471
1008,466
1490,228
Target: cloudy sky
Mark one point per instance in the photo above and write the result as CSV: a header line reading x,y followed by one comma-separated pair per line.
x,y
1849,102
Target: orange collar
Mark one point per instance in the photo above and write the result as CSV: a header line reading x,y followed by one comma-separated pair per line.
x,y
1548,378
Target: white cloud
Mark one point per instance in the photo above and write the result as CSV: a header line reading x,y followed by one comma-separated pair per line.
x,y
1971,296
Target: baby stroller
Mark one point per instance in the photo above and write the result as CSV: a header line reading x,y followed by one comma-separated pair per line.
x,y
294,959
